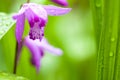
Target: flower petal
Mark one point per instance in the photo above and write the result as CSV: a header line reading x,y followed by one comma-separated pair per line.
x,y
21,11
20,27
35,13
55,11
36,63
41,52
46,46
61,2
39,11
35,60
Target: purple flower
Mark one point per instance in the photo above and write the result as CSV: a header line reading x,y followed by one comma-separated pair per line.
x,y
61,2
37,49
37,18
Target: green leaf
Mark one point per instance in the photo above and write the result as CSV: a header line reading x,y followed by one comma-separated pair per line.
x,y
6,22
6,76
107,25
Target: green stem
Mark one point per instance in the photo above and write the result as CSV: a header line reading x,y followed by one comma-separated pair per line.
x,y
17,54
15,60
28,1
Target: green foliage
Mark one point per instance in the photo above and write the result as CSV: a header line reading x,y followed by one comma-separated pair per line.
x,y
106,15
6,76
6,23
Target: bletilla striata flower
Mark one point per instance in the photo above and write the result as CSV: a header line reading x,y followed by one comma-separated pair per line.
x,y
37,49
37,18
61,2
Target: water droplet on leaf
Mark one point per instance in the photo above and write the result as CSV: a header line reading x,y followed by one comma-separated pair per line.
x,y
98,5
111,54
113,39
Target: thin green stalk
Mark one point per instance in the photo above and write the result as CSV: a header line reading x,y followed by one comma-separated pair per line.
x,y
28,1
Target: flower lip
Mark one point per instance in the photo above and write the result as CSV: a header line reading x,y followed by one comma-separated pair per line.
x,y
37,49
36,32
41,22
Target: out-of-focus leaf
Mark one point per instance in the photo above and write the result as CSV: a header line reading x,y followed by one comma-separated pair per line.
x,y
6,23
6,76
2,60
5,5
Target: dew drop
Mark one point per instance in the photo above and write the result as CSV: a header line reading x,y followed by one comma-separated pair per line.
x,y
113,39
111,54
98,5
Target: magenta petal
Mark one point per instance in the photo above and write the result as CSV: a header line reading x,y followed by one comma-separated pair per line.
x,y
61,2
55,11
36,63
36,14
41,52
20,27
20,21
39,11
37,48
35,60
21,11
46,46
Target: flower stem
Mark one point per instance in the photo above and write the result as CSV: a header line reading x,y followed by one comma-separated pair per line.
x,y
28,1
15,60
17,54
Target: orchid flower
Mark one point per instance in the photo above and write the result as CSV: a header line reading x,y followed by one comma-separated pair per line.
x,y
37,18
37,49
61,2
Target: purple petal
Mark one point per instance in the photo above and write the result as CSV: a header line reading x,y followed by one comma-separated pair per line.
x,y
21,11
35,60
20,18
46,46
36,13
39,11
20,27
55,11
61,2
36,63
41,52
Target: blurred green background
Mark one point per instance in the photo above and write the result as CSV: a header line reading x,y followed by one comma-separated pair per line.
x,y
73,33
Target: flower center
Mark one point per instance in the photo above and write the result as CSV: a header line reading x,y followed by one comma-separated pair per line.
x,y
36,32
